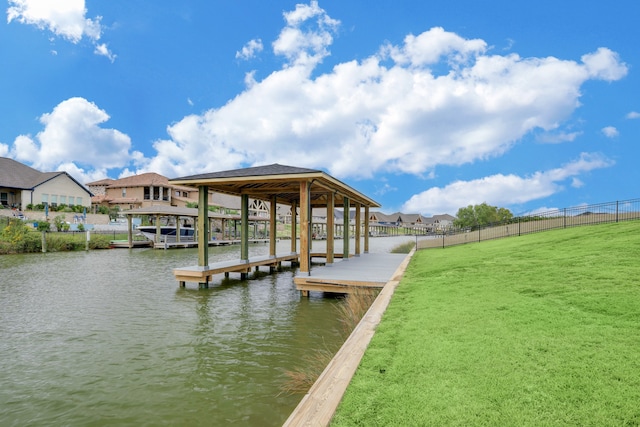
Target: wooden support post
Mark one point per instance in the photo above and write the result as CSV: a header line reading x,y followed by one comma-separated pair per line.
x,y
158,229
345,240
244,227
366,229
305,209
203,227
294,226
330,227
358,231
130,230
273,217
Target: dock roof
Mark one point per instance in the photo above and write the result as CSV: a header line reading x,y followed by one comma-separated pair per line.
x,y
280,181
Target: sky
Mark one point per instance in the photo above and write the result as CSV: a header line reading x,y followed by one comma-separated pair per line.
x,y
424,106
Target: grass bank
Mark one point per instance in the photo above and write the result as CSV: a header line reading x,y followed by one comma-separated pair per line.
x,y
535,330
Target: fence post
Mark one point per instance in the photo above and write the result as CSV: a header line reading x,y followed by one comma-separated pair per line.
x,y
617,210
564,218
518,226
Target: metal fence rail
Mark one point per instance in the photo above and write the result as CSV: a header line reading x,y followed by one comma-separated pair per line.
x,y
561,218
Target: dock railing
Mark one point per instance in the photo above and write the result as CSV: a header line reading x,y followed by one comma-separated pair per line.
x,y
600,213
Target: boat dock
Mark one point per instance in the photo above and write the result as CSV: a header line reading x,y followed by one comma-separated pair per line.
x,y
203,274
368,271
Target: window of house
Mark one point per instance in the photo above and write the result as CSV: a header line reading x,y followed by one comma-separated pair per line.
x,y
124,192
4,199
54,200
78,200
45,199
146,193
63,200
71,200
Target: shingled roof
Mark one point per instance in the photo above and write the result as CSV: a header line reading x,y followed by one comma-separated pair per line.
x,y
274,169
14,174
280,181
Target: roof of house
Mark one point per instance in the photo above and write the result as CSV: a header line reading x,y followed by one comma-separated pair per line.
x,y
14,174
140,180
106,181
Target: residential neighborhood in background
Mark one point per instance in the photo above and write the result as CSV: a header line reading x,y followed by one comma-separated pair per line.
x,y
22,188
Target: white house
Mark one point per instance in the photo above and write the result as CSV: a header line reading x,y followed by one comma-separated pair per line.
x,y
21,185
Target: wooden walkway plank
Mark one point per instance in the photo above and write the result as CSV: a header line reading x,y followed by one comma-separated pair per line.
x,y
365,271
202,274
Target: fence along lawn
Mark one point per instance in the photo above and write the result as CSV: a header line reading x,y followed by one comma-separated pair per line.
x,y
542,329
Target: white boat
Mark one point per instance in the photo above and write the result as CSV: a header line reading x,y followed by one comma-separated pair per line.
x,y
167,233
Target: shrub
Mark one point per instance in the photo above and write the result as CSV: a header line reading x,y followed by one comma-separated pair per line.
x,y
59,222
99,242
18,238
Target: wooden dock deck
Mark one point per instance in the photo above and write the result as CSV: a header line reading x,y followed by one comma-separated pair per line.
x,y
202,275
344,276
318,406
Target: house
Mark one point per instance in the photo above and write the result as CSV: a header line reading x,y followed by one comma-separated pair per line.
x,y
441,222
140,191
150,189
21,185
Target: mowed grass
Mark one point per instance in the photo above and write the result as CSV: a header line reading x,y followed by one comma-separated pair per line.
x,y
537,330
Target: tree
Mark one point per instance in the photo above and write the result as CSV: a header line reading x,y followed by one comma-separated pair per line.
x,y
481,215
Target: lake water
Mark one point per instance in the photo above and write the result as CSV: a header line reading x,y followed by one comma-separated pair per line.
x,y
108,338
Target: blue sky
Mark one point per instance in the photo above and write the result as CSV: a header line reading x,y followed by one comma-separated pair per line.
x,y
424,106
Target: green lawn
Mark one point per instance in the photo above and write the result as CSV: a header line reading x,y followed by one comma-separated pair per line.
x,y
537,330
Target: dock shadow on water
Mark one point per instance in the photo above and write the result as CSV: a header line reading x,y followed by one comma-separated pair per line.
x,y
108,337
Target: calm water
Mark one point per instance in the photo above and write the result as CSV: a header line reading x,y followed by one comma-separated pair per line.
x,y
108,338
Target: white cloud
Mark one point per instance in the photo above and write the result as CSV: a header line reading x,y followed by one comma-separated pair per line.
x,y
558,137
610,132
503,190
103,50
576,183
387,113
72,136
604,64
250,49
431,46
65,19
301,44
633,115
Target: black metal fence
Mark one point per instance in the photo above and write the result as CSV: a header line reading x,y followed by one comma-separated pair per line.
x,y
560,218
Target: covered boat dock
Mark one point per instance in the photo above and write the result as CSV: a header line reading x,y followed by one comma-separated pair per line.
x,y
300,188
177,215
